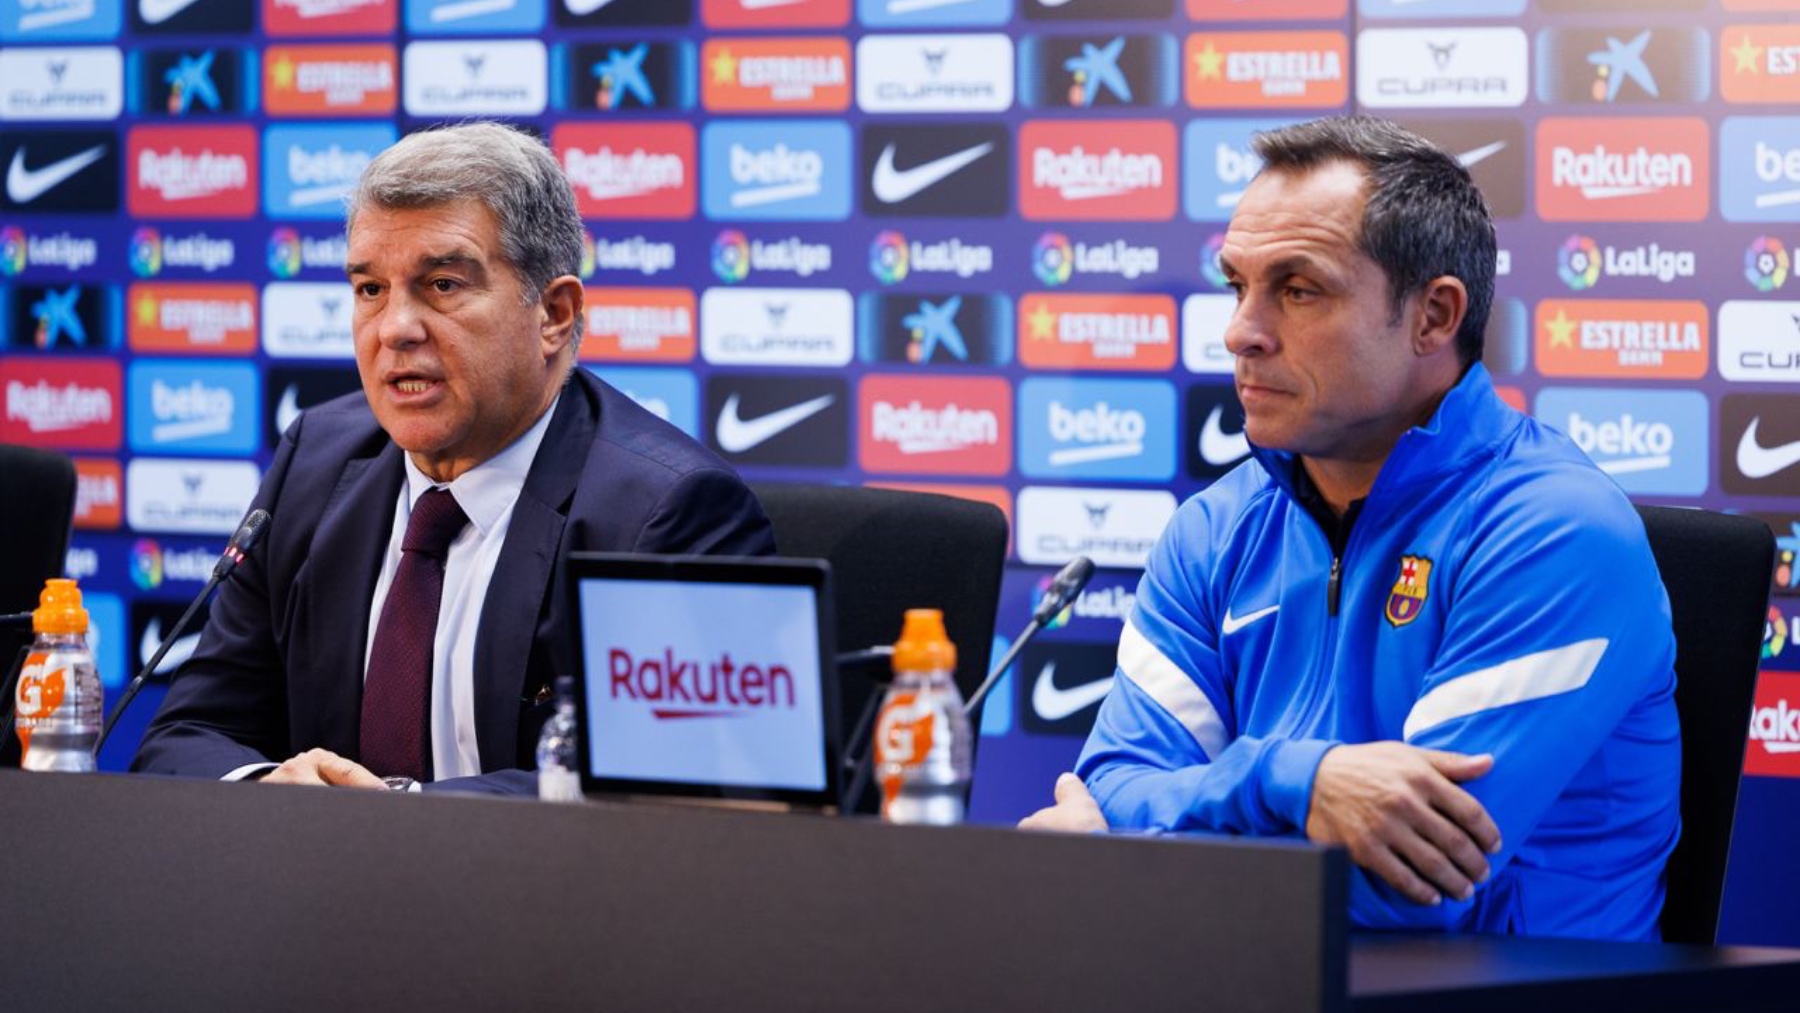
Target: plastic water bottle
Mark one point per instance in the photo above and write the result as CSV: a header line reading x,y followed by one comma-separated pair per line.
x,y
58,700
922,744
559,779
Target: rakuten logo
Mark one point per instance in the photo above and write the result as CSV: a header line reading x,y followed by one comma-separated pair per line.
x,y
643,171
1063,174
62,403
1773,749
685,688
952,426
192,172
1623,169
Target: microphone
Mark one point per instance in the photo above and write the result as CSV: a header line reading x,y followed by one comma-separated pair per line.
x,y
242,541
15,619
1064,587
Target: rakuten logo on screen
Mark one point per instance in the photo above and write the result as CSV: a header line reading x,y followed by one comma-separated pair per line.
x,y
1774,746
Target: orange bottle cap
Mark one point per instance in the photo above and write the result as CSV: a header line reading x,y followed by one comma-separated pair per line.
x,y
923,645
59,608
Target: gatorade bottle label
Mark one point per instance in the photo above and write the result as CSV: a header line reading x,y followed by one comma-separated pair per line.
x,y
42,684
903,736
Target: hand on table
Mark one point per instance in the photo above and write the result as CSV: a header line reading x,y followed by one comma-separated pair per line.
x,y
1075,811
322,766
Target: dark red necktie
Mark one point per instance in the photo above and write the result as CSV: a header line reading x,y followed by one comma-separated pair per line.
x,y
396,702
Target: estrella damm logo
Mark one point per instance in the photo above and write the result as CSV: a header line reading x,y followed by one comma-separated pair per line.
x,y
1253,70
752,74
1407,599
1760,64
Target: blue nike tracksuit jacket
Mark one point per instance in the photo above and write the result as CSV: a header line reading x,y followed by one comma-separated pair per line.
x,y
1495,594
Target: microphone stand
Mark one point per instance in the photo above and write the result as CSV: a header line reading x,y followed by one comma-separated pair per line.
x,y
859,748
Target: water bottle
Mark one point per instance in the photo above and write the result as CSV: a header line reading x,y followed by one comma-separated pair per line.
x,y
58,700
558,777
922,744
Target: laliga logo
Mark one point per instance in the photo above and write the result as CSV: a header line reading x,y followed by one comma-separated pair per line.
x,y
587,255
1578,262
1209,261
1775,633
1766,264
1051,259
888,257
284,253
691,688
12,250
731,256
1059,620
146,564
146,252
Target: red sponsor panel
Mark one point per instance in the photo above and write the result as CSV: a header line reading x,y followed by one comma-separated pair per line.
x,y
1266,10
1774,746
99,494
1266,70
639,170
764,14
192,172
936,425
347,80
1075,171
1650,339
330,17
1085,331
639,325
65,404
995,494
1760,64
192,318
761,75
1514,397
1623,169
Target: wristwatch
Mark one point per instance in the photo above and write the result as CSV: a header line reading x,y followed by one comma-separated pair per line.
x,y
399,782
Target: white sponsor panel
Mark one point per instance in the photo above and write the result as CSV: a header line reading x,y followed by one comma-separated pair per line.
x,y
1759,341
307,320
1203,322
1113,527
485,78
1438,68
74,83
934,73
777,326
188,497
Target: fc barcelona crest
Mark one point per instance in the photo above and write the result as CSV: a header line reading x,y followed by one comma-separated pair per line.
x,y
1407,599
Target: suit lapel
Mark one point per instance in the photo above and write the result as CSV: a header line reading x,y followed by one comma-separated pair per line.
x,y
524,574
344,562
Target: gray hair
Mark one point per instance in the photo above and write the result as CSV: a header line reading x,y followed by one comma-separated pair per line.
x,y
507,170
1424,217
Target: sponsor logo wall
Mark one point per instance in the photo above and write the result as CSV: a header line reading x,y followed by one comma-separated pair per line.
x,y
963,245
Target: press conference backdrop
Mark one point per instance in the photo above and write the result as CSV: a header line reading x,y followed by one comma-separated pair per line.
x,y
963,245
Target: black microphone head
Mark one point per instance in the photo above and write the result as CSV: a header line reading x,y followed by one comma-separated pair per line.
x,y
251,530
1067,583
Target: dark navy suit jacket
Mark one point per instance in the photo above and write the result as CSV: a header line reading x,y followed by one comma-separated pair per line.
x,y
279,667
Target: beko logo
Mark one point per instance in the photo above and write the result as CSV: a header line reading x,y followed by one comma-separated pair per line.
x,y
1759,342
776,327
307,320
205,407
1099,429
1760,164
1441,68
934,73
1650,441
311,169
486,79
1113,527
188,497
776,169
85,83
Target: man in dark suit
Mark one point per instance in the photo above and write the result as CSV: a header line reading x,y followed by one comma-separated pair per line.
x,y
356,646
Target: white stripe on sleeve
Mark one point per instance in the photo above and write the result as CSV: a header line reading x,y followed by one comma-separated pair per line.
x,y
1528,677
1173,689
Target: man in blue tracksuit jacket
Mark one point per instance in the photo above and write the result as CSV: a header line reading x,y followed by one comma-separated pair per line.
x,y
1417,624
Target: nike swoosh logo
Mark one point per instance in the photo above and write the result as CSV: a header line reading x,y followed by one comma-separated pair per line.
x,y
1232,623
155,12
26,185
1216,447
737,435
288,409
580,7
1758,461
1054,703
893,185
179,651
1470,159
